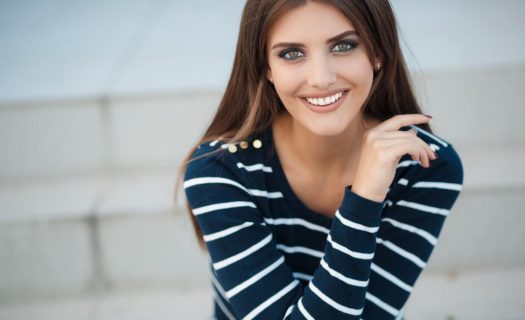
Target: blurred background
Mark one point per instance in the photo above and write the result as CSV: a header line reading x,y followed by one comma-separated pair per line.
x,y
100,100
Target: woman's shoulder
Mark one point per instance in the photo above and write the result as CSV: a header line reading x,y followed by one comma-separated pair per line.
x,y
222,154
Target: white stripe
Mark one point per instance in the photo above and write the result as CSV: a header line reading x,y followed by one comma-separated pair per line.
x,y
308,251
235,290
207,180
403,182
223,307
263,193
407,163
400,315
226,232
213,143
381,304
271,300
347,280
305,313
335,305
243,254
434,147
355,225
422,207
428,134
222,206
288,311
438,185
218,286
395,280
420,232
297,221
402,252
254,167
303,276
358,255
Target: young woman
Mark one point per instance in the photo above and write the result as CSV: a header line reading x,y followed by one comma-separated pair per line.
x,y
318,190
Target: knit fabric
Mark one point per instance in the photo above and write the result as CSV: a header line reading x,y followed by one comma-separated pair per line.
x,y
272,257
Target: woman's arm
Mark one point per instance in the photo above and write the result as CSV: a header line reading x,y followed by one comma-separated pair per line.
x,y
415,212
251,271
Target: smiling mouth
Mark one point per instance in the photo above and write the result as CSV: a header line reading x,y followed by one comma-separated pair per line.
x,y
325,101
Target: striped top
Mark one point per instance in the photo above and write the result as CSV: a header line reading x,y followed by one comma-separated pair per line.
x,y
272,257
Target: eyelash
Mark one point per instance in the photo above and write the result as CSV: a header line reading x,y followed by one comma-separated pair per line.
x,y
350,43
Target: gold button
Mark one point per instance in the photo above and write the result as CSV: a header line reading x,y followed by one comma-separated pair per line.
x,y
257,144
232,148
244,144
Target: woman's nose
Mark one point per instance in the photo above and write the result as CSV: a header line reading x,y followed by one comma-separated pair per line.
x,y
320,74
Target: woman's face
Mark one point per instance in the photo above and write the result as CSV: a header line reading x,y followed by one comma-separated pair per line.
x,y
319,67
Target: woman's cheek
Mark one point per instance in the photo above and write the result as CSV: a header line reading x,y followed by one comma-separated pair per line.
x,y
287,83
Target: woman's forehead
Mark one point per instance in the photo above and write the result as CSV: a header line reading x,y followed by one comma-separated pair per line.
x,y
311,21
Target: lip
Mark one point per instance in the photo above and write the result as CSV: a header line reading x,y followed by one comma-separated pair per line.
x,y
323,94
327,108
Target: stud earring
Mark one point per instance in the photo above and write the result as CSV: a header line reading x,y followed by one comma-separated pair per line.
x,y
378,66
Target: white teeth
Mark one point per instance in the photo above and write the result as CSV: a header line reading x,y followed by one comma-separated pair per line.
x,y
326,100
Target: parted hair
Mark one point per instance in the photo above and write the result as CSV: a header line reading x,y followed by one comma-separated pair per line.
x,y
250,103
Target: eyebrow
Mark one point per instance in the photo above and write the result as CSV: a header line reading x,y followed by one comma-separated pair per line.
x,y
300,45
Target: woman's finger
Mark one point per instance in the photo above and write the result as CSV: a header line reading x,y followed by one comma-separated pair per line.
x,y
402,120
387,139
410,135
415,148
387,135
425,162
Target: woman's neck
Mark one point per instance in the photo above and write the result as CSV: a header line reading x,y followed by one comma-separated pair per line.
x,y
330,157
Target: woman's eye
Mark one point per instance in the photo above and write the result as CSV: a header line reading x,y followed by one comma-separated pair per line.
x,y
291,54
344,46
295,53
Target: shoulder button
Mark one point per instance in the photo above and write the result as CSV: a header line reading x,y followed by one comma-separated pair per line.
x,y
257,144
232,148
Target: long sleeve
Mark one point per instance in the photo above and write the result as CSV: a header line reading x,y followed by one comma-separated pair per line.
x,y
249,269
414,215
371,259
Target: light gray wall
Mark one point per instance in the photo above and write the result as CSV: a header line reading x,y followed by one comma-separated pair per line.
x,y
100,100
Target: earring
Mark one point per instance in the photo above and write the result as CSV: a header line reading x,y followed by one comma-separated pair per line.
x,y
378,66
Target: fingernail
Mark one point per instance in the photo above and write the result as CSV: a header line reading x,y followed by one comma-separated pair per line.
x,y
435,154
428,116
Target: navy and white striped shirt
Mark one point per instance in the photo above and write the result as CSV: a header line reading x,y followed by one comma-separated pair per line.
x,y
274,258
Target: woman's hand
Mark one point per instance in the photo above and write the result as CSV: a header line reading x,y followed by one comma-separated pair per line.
x,y
382,148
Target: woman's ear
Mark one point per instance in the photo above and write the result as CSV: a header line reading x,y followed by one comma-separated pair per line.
x,y
269,75
377,64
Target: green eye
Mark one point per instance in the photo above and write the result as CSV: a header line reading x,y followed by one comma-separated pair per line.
x,y
344,45
291,54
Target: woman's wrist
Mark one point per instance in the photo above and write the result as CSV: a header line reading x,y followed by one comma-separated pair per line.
x,y
364,192
358,208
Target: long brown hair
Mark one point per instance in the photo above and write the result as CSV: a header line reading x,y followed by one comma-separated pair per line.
x,y
250,103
